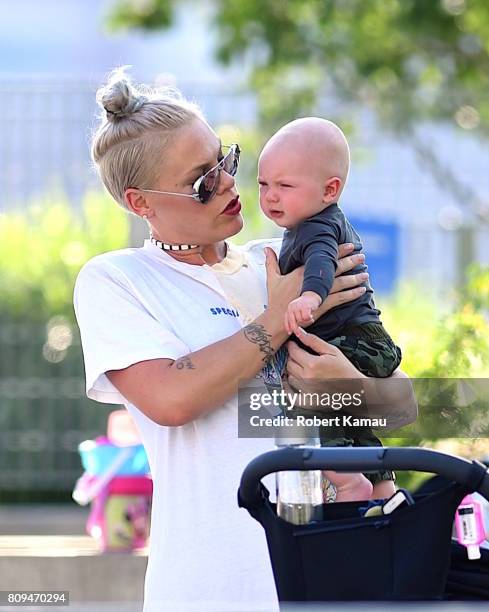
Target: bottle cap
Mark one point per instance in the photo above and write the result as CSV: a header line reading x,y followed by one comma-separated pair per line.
x,y
473,552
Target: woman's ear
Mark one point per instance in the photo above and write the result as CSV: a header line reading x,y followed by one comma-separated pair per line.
x,y
332,190
136,202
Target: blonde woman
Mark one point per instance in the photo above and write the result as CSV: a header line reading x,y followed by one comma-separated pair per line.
x,y
169,330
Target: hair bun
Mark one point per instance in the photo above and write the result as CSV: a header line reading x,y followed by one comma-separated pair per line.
x,y
119,98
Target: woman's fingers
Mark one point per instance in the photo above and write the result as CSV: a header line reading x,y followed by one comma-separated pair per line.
x,y
302,366
287,321
271,262
339,297
297,356
345,249
313,342
294,370
306,370
342,297
295,376
345,264
341,283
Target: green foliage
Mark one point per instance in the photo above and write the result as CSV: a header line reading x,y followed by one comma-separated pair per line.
x,y
442,346
145,14
42,249
410,60
412,319
442,340
462,350
477,288
462,347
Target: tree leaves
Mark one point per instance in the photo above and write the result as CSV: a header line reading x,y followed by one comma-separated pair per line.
x,y
409,60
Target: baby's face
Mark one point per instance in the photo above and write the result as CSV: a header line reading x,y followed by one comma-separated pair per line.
x,y
290,191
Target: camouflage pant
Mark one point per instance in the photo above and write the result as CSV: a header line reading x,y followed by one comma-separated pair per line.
x,y
372,351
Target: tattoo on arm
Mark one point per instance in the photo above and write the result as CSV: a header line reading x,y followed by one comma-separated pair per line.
x,y
258,335
184,362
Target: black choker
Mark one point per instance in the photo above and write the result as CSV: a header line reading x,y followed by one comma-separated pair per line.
x,y
173,247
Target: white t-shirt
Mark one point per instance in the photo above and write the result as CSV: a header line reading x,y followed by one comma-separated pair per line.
x,y
244,289
139,304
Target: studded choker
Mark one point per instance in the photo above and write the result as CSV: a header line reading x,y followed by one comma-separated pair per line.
x,y
172,247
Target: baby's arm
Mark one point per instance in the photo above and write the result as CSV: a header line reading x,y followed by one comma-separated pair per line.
x,y
319,254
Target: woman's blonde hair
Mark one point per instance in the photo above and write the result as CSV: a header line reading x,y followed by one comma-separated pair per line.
x,y
137,123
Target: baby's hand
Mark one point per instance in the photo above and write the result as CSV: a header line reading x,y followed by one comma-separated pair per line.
x,y
300,311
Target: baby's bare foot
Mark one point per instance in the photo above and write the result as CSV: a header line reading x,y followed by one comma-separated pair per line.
x,y
349,487
358,488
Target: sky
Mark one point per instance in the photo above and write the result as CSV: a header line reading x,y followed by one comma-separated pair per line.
x,y
69,38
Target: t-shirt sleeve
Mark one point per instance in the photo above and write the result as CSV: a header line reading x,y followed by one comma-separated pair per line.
x,y
116,329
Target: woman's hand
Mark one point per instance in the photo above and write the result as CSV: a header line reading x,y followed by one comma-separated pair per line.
x,y
392,398
281,289
306,370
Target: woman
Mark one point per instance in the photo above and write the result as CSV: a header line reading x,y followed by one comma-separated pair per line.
x,y
171,328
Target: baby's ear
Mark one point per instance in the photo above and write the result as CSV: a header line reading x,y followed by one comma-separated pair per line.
x,y
332,189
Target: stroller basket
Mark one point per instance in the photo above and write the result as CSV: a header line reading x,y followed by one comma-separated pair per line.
x,y
346,556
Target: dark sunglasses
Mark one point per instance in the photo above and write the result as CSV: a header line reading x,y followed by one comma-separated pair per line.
x,y
206,185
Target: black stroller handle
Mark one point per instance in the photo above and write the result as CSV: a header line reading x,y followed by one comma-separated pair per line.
x,y
472,474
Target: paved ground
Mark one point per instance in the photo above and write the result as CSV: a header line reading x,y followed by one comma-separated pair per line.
x,y
43,519
44,547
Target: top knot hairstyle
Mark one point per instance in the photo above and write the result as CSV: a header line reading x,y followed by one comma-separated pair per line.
x,y
136,124
119,98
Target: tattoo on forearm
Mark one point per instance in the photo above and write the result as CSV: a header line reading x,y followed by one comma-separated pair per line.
x,y
184,362
258,335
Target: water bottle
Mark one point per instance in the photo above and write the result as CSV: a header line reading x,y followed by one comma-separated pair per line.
x,y
299,493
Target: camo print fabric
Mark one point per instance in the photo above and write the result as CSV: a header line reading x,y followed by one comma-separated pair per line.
x,y
373,357
355,436
372,351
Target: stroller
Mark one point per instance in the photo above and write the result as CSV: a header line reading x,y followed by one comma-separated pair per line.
x,y
406,555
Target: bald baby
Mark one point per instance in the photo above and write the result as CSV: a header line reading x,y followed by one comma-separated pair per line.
x,y
302,169
319,141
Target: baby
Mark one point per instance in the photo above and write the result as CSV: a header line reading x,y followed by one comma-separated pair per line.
x,y
302,171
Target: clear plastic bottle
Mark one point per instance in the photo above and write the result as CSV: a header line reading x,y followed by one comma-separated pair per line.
x,y
299,493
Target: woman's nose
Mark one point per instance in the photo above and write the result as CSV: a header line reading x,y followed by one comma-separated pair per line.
x,y
226,181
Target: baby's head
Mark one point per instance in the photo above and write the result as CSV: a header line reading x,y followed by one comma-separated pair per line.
x,y
302,169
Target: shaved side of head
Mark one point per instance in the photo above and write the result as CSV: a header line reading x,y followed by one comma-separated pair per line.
x,y
320,142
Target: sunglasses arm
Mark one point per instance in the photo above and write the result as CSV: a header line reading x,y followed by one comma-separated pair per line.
x,y
194,196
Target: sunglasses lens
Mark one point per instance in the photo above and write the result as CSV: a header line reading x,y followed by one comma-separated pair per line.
x,y
210,181
208,186
231,161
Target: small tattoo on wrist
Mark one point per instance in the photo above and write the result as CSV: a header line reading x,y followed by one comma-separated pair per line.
x,y
257,334
184,362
